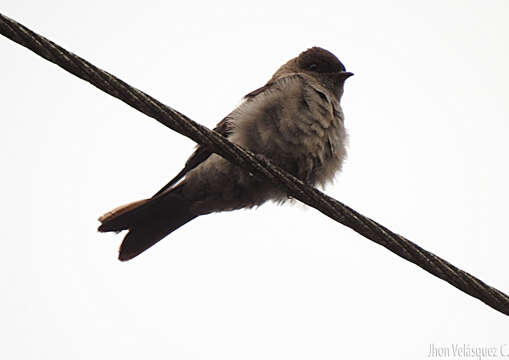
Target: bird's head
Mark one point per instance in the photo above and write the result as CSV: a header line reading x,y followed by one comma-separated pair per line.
x,y
319,64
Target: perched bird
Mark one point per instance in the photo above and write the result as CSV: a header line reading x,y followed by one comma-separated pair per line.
x,y
295,120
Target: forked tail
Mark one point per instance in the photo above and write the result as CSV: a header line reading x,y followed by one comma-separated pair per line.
x,y
148,221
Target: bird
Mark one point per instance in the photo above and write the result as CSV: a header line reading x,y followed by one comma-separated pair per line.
x,y
295,120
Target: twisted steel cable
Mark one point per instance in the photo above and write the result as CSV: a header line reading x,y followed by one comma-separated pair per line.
x,y
256,165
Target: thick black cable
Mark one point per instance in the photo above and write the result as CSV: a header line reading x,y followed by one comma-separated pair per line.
x,y
259,166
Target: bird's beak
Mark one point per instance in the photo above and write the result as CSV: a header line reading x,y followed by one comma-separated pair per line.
x,y
343,75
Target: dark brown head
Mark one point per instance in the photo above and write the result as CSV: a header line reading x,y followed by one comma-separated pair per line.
x,y
320,64
319,60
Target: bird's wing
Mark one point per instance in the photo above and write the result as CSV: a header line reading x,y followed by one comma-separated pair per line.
x,y
258,91
202,153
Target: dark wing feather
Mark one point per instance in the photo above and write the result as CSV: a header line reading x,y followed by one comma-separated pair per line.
x,y
258,91
202,153
199,155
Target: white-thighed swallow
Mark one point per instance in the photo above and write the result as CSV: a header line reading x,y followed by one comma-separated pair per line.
x,y
295,120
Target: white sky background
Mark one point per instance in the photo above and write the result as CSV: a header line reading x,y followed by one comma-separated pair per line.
x,y
428,117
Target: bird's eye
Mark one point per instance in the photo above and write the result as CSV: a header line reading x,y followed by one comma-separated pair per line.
x,y
312,67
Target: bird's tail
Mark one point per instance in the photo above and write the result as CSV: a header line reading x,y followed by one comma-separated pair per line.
x,y
148,221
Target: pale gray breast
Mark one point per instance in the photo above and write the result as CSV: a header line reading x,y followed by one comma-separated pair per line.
x,y
297,125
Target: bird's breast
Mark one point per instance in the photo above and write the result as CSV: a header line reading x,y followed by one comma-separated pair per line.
x,y
297,126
